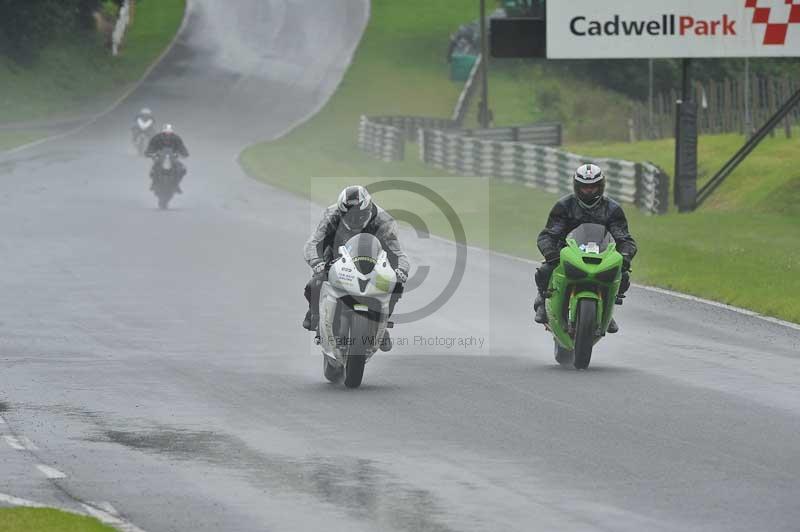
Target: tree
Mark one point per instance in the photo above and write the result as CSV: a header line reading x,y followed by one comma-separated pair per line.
x,y
28,25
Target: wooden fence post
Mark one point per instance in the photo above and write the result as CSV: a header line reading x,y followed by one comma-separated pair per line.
x,y
771,98
785,94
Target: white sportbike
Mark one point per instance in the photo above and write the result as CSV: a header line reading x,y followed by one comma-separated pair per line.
x,y
354,308
143,131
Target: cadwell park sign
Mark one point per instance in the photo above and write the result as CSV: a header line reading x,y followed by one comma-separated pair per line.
x,y
608,29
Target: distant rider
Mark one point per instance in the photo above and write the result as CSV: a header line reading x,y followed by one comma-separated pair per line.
x,y
168,139
352,214
587,204
144,121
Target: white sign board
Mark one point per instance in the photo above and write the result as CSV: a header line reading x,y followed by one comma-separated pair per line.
x,y
609,29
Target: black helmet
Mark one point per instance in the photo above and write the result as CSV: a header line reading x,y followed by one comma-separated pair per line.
x,y
355,204
589,184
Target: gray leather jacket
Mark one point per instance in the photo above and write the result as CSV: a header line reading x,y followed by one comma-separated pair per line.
x,y
332,233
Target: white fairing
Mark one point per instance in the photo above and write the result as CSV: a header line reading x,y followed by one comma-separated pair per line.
x,y
343,280
144,125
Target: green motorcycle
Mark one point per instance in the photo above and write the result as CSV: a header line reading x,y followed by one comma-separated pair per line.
x,y
582,292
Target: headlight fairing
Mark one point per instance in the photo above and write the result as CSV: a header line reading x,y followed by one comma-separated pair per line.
x,y
573,272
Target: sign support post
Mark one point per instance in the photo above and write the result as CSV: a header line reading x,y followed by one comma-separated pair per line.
x,y
483,112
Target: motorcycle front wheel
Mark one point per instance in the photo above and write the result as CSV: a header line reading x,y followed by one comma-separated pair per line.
x,y
357,350
585,326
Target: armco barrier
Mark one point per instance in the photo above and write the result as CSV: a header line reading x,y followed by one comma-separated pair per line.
x,y
410,125
642,184
543,134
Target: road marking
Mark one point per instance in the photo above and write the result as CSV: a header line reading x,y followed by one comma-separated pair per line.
x,y
108,519
105,506
49,472
28,444
14,443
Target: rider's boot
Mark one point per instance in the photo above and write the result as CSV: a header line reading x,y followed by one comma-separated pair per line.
x,y
612,325
386,341
311,321
539,307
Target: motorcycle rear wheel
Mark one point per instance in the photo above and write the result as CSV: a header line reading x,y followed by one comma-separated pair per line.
x,y
585,326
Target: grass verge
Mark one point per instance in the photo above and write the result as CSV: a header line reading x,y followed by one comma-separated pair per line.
x,y
41,519
739,249
79,76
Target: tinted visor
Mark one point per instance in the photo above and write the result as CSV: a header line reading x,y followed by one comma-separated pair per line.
x,y
590,190
357,219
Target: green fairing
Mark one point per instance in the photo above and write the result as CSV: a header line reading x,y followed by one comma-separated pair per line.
x,y
564,291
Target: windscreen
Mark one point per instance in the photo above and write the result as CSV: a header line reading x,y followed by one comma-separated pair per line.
x,y
587,233
364,249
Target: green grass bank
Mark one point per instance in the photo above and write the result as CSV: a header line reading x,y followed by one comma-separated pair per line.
x,y
739,249
74,77
47,520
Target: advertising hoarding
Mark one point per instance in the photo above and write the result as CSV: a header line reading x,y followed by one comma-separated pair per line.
x,y
610,29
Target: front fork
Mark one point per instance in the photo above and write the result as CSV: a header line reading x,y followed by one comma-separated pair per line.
x,y
573,309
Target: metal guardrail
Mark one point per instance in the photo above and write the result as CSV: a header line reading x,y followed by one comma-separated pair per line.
x,y
543,134
493,152
643,184
410,125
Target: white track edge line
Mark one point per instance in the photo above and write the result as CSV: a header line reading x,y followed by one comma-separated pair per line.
x,y
14,443
112,520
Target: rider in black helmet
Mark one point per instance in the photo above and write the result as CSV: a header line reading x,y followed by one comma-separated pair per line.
x,y
587,204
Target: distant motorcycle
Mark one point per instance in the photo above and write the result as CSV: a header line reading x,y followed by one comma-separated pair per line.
x,y
143,131
167,173
354,308
582,293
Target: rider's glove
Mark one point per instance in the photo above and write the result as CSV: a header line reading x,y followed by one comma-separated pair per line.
x,y
319,267
626,263
555,257
402,277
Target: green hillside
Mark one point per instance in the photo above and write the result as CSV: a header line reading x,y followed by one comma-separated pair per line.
x,y
718,252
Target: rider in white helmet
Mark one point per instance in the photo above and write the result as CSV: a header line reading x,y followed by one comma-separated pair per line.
x,y
353,213
587,204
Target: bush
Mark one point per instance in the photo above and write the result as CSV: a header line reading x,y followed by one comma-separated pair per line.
x,y
26,26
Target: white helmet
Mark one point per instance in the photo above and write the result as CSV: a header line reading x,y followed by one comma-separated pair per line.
x,y
589,184
168,129
145,111
355,204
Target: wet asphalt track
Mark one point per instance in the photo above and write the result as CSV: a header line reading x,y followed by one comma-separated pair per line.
x,y
156,359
